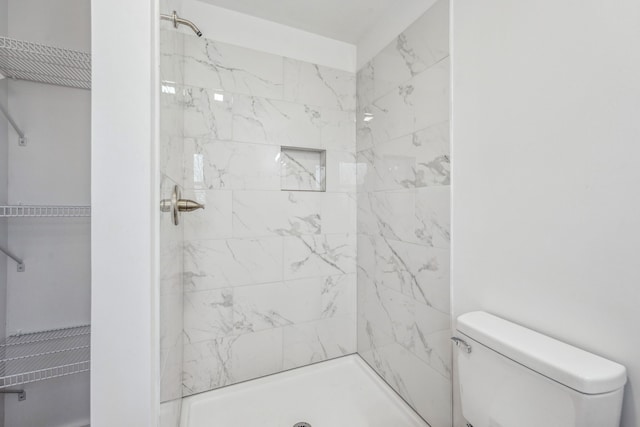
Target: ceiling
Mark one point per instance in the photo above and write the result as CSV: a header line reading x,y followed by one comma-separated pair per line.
x,y
345,20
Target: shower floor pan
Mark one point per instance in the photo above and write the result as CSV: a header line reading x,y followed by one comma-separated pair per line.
x,y
344,392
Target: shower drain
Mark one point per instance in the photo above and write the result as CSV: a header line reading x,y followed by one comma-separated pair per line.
x,y
302,424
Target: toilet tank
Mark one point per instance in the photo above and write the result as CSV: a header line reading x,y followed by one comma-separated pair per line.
x,y
511,376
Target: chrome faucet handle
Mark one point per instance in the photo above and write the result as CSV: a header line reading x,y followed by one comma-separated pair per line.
x,y
176,204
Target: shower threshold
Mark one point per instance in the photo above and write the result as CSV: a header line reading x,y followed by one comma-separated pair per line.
x,y
343,392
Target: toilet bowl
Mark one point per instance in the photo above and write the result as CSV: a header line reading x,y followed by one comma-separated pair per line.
x,y
512,376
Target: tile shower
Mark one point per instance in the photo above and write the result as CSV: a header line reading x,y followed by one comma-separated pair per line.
x,y
326,226
403,215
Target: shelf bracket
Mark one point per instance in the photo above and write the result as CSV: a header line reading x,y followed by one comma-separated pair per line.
x,y
18,261
22,395
22,139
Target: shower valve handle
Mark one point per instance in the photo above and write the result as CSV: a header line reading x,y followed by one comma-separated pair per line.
x,y
176,204
185,205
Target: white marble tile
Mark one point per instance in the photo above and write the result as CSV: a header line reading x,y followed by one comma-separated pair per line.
x,y
365,92
208,314
389,117
170,410
428,392
249,363
341,171
338,213
215,363
171,155
268,121
231,68
171,373
319,255
277,213
302,170
171,56
318,341
231,165
370,337
171,245
172,99
338,130
339,295
212,222
271,305
415,270
416,326
171,268
416,160
207,114
207,365
420,216
317,85
171,310
432,151
420,102
423,44
214,264
430,95
388,214
433,215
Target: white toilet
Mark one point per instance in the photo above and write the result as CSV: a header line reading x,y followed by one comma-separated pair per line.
x,y
511,376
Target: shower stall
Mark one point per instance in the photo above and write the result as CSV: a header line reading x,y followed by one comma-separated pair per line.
x,y
321,258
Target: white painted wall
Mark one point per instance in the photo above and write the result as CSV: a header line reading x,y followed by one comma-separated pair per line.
x,y
124,193
52,169
4,135
546,209
243,30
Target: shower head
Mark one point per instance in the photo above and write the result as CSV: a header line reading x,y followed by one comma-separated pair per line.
x,y
177,20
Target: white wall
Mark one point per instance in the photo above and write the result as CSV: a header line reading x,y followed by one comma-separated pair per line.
x,y
546,209
4,129
248,31
124,189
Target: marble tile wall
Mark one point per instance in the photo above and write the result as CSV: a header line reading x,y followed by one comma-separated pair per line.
x,y
269,275
403,224
171,237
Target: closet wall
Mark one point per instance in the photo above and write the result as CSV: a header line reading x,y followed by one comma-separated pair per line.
x,y
4,129
53,169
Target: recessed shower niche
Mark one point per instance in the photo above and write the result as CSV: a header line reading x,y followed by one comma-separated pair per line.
x,y
302,169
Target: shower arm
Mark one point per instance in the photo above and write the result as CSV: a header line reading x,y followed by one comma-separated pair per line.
x,y
180,21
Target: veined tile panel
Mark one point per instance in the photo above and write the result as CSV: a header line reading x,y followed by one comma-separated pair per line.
x,y
270,275
314,84
229,68
403,196
171,237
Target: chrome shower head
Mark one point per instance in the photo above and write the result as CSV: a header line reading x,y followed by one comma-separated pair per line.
x,y
177,20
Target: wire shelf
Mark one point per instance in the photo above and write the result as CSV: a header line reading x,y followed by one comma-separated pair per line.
x,y
44,211
44,64
42,355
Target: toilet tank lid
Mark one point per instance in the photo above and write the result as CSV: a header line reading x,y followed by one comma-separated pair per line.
x,y
568,365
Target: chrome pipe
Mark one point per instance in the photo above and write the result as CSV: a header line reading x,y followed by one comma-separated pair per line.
x,y
180,21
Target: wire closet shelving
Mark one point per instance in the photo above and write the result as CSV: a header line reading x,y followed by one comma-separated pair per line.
x,y
20,211
37,356
45,64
